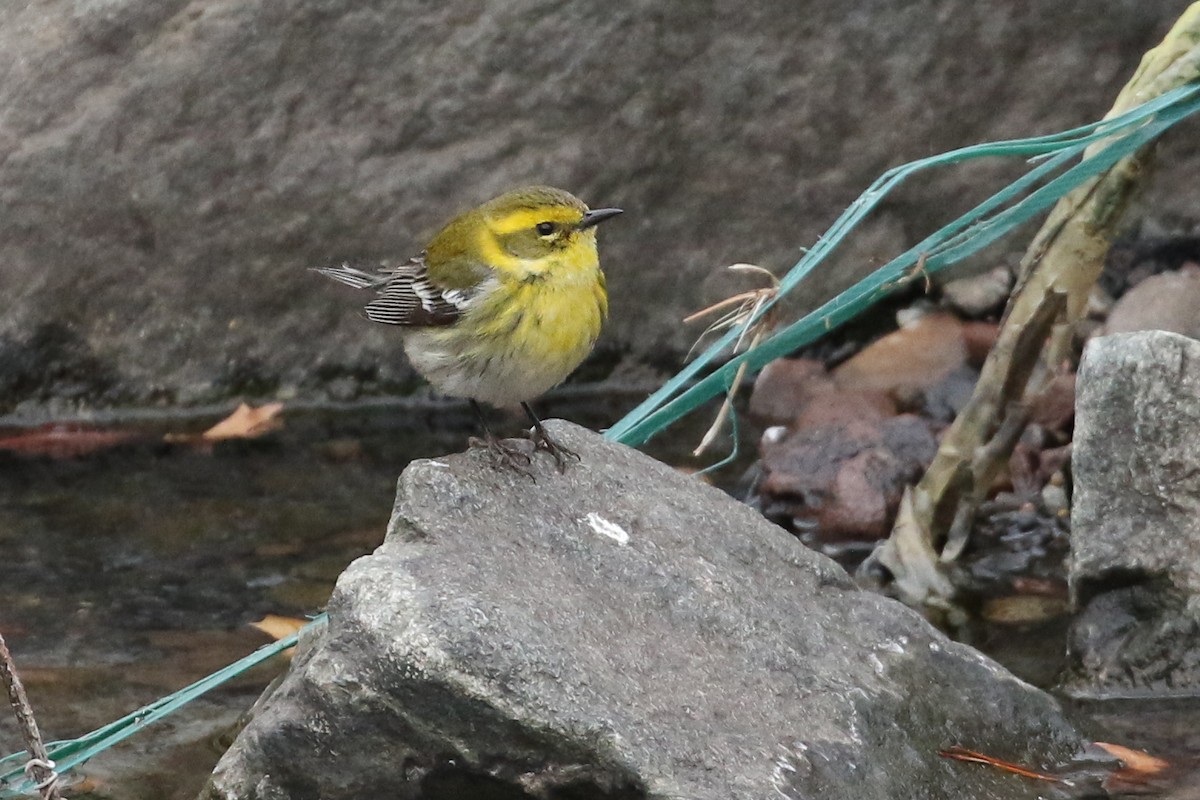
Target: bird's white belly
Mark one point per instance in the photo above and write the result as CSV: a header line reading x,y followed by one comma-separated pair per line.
x,y
500,378
510,359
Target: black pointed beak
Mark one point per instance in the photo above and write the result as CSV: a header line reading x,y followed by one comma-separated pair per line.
x,y
596,216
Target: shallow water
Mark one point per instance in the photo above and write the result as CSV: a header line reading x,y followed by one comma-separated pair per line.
x,y
131,572
135,570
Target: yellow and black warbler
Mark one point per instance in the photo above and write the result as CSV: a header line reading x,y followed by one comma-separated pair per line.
x,y
502,305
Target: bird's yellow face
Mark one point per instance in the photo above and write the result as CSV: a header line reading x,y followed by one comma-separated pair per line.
x,y
530,231
536,234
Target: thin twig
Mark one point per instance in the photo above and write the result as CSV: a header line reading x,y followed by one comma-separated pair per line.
x,y
40,768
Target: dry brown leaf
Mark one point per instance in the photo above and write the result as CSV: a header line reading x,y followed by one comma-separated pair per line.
x,y
85,785
278,627
907,361
246,422
1137,762
1024,609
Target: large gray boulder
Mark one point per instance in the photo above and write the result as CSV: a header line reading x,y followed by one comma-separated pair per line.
x,y
1135,518
169,169
622,631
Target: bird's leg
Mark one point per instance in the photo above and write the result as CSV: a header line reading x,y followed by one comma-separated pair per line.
x,y
540,437
504,454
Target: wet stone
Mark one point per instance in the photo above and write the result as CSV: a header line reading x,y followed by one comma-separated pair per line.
x,y
1136,515
622,631
1169,301
979,295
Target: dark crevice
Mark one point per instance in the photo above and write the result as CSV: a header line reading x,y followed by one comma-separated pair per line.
x,y
1117,579
454,783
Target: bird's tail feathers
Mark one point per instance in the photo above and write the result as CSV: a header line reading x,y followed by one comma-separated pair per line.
x,y
352,276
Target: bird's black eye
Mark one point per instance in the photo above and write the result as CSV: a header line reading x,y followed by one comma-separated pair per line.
x,y
545,228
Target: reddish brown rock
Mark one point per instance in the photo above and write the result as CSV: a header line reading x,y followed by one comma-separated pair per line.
x,y
1054,406
909,361
859,507
836,407
846,479
784,388
979,337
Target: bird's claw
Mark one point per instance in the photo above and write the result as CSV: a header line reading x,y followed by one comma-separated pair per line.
x,y
505,453
562,454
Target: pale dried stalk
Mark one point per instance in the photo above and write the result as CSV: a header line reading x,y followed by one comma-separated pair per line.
x,y
745,306
1057,274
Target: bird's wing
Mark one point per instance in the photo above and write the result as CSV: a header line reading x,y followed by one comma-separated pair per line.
x,y
407,295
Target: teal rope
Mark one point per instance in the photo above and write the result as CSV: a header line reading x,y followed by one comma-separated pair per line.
x,y
70,753
961,238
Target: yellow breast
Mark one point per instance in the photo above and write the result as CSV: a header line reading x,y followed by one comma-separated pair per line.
x,y
526,333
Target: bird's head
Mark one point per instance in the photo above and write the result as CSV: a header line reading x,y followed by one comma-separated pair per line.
x,y
539,227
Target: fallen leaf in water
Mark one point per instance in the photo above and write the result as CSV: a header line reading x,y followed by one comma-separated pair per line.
x,y
278,627
64,441
246,422
963,754
1024,609
1138,763
85,784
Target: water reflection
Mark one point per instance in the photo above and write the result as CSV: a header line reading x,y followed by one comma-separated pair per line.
x,y
135,570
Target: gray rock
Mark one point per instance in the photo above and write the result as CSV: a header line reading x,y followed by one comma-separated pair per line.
x,y
1135,522
169,169
1169,301
978,295
622,631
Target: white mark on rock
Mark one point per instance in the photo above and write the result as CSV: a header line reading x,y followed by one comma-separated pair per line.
x,y
605,528
774,434
784,765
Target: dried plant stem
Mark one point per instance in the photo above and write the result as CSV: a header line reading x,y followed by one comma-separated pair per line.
x,y
1057,274
40,769
742,307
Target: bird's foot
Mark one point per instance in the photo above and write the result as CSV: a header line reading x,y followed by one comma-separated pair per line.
x,y
506,453
562,454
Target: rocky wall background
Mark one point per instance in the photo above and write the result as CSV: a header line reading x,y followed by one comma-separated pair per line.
x,y
168,170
